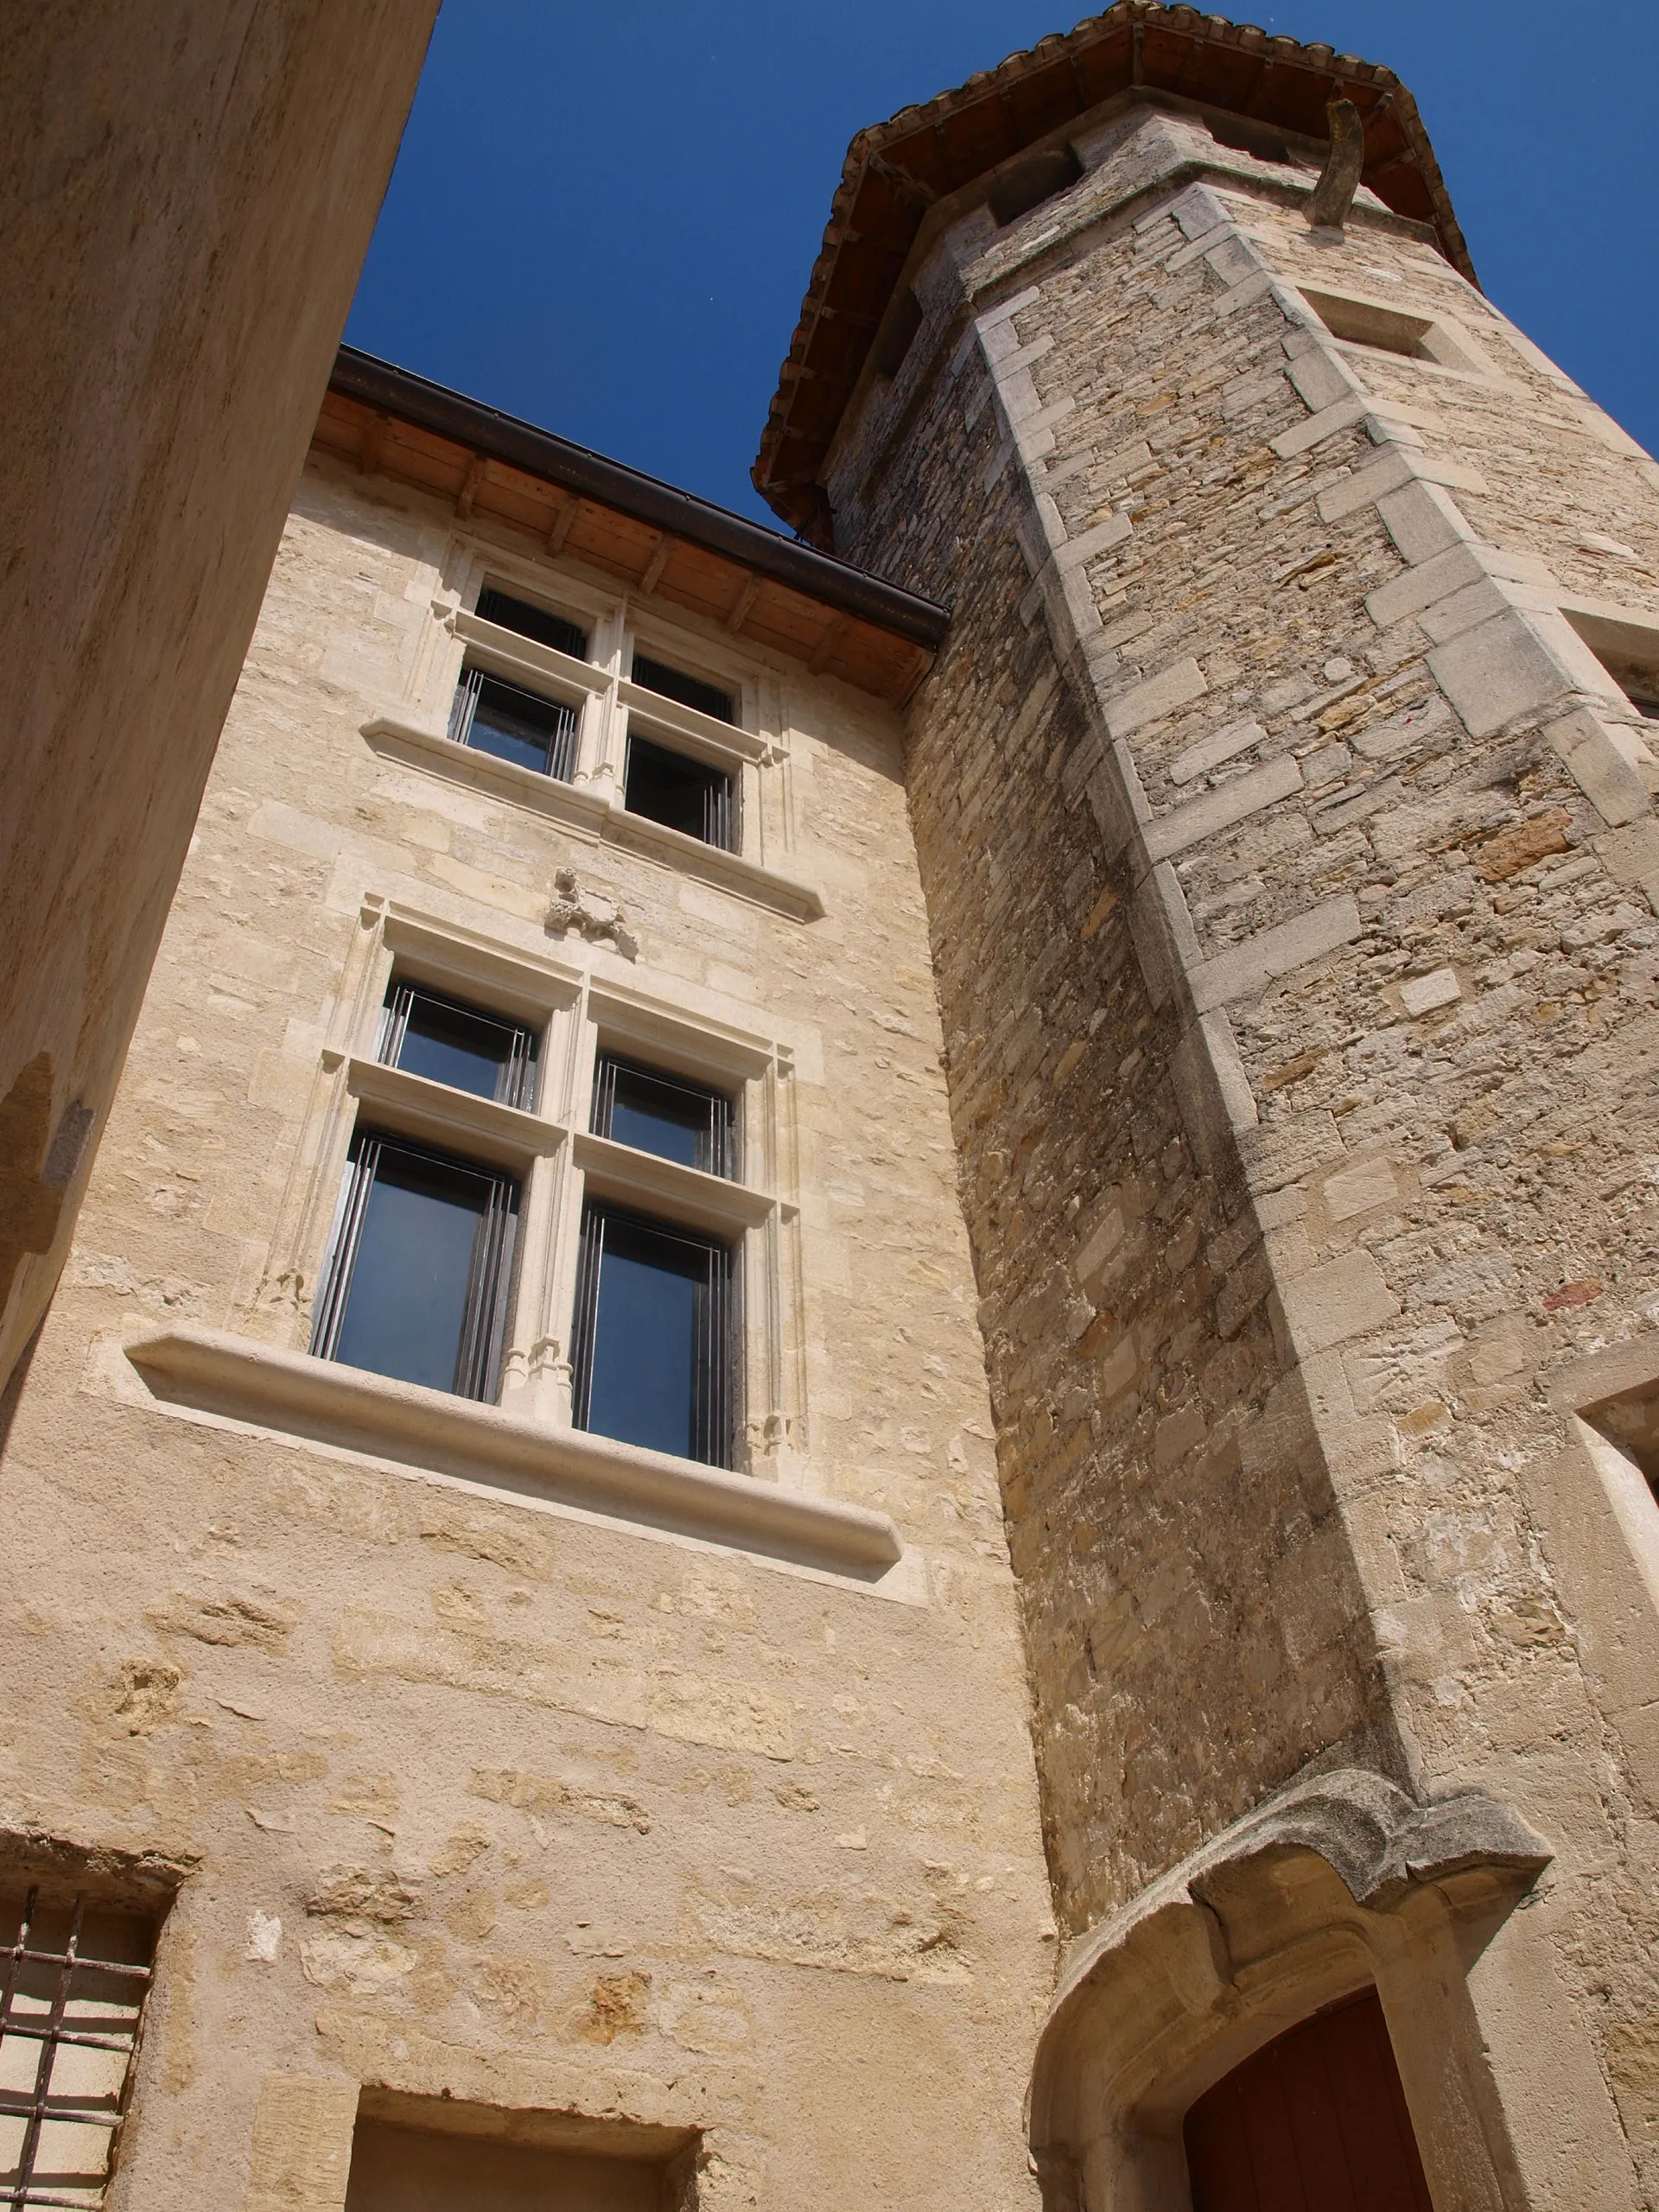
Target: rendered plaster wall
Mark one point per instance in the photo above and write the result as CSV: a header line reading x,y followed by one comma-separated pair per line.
x,y
1290,870
189,190
485,1798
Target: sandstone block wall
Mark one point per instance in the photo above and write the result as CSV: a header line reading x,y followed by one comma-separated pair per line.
x,y
1290,870
477,1798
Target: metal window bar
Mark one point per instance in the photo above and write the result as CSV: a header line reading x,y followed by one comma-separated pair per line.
x,y
516,1085
719,793
690,690
478,1363
562,719
27,2187
510,612
716,1143
715,1372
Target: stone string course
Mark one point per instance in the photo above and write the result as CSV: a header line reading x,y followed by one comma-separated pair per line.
x,y
1292,879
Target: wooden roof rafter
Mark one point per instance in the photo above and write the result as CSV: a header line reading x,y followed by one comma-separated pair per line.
x,y
737,575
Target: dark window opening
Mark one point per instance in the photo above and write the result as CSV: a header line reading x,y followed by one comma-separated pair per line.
x,y
1025,183
689,690
448,1041
654,1344
537,622
417,1284
681,793
499,718
1316,2120
1247,138
896,334
664,1115
77,1975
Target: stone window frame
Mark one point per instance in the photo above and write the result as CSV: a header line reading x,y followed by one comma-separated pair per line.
x,y
259,1370
755,751
1449,347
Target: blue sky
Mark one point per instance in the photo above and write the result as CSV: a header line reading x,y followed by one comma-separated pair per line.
x,y
603,219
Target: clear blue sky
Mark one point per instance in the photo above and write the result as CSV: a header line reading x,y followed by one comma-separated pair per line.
x,y
603,218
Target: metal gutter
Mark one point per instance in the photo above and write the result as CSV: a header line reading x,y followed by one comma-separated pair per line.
x,y
589,475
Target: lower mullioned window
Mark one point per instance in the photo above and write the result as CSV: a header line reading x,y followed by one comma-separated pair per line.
x,y
421,1269
654,1340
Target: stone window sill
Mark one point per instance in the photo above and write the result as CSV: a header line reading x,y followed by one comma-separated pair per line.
x,y
585,809
266,1384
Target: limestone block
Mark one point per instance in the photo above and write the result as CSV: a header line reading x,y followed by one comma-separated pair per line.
x,y
1343,1299
1246,968
1423,994
1213,751
301,2144
1498,671
1233,801
1600,767
1423,520
1177,685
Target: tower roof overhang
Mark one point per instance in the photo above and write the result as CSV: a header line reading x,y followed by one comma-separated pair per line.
x,y
896,171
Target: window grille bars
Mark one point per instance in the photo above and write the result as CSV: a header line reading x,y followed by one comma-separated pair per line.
x,y
527,715
716,1132
531,621
714,1365
478,1363
47,2105
690,690
516,1085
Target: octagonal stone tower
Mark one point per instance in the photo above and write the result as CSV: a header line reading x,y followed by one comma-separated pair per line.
x,y
1284,810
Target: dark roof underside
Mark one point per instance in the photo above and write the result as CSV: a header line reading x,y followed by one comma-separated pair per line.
x,y
896,170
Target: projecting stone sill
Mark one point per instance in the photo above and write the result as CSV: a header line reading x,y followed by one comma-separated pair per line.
x,y
290,1391
586,811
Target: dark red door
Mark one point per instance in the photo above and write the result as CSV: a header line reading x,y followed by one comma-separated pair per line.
x,y
1316,2121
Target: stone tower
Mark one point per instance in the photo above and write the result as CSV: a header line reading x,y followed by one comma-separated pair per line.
x,y
1284,814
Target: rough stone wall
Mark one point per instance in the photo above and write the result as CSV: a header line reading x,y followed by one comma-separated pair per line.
x,y
484,1798
1297,962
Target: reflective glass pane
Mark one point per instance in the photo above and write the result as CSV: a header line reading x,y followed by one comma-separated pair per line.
x,y
670,1119
645,1357
407,1304
512,725
449,1044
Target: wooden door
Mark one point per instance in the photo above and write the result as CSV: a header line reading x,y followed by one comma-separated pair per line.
x,y
1316,2121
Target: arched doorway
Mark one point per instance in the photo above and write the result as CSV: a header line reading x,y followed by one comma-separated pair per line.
x,y
1315,2121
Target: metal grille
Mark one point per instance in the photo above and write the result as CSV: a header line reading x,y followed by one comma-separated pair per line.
x,y
69,2021
714,1360
494,716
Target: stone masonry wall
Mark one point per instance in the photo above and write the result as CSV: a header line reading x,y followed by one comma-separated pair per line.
x,y
482,1798
1297,956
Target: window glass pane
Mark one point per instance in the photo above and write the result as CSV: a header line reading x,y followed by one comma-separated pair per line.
x,y
516,726
530,621
406,1309
458,1045
643,1378
689,690
679,793
663,1114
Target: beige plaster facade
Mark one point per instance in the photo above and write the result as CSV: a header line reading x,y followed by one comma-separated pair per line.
x,y
509,1767
1190,1552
